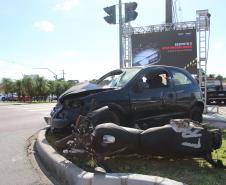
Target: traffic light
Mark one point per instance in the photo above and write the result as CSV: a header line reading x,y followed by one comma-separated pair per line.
x,y
130,13
111,18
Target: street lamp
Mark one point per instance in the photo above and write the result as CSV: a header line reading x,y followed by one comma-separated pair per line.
x,y
55,75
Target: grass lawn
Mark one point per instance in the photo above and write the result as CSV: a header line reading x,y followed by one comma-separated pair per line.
x,y
194,171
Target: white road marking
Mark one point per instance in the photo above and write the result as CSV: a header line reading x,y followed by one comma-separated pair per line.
x,y
37,110
45,109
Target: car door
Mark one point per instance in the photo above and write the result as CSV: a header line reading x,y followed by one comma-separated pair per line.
x,y
184,88
153,96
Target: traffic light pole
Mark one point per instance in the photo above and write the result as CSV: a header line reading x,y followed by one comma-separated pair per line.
x,y
120,36
130,15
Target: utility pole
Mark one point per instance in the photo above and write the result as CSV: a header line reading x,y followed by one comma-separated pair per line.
x,y
169,11
130,15
63,74
120,36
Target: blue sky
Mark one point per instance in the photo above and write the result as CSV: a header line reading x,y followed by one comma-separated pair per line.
x,y
71,35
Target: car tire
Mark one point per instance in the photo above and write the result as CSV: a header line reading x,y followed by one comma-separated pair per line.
x,y
3,99
196,114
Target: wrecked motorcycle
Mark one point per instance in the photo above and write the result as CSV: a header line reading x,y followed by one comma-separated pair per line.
x,y
178,139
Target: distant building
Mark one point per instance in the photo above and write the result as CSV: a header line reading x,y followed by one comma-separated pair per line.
x,y
31,75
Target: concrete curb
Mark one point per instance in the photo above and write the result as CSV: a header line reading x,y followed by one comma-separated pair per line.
x,y
70,174
215,120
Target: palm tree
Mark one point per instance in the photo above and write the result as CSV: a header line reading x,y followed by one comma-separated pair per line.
x,y
19,88
8,85
61,86
29,86
42,87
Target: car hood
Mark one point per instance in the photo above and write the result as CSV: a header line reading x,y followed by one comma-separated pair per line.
x,y
83,87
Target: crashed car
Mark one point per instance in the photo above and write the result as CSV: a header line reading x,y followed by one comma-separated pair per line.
x,y
145,96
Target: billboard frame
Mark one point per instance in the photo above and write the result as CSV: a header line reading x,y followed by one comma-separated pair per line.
x,y
128,31
202,26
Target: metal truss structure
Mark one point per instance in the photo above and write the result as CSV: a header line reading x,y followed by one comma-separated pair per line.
x,y
203,29
128,31
202,26
164,27
127,45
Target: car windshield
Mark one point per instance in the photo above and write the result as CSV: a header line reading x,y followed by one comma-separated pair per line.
x,y
118,78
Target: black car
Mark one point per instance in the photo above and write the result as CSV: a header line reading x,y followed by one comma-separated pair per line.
x,y
148,96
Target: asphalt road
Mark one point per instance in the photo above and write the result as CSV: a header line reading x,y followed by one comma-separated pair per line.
x,y
17,124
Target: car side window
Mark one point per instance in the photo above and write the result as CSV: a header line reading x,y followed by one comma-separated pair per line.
x,y
180,79
153,80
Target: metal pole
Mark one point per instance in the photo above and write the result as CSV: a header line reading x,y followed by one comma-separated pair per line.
x,y
63,74
120,36
169,14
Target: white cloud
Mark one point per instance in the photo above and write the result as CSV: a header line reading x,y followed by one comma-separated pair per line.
x,y
87,68
81,67
13,70
66,5
70,53
45,26
218,45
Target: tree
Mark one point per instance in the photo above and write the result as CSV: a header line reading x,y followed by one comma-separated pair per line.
x,y
19,88
60,87
8,85
211,75
41,87
29,86
52,86
219,77
70,83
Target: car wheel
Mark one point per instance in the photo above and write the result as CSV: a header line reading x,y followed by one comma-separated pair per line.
x,y
196,114
3,98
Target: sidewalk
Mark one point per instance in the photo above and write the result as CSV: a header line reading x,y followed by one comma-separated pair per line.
x,y
215,119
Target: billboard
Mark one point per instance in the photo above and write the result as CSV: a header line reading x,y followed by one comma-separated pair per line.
x,y
174,48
